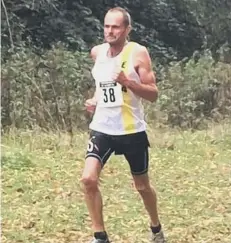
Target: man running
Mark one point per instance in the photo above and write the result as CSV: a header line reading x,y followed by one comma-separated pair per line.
x,y
123,76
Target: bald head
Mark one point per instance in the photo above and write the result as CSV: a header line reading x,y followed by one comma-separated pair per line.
x,y
126,16
117,26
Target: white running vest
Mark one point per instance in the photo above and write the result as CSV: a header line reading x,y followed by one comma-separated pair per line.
x,y
119,111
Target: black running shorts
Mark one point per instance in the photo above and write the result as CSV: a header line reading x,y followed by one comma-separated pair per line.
x,y
133,146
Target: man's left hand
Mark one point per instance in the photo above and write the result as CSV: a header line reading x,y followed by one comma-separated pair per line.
x,y
121,78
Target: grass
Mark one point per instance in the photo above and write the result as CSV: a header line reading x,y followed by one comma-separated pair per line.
x,y
42,200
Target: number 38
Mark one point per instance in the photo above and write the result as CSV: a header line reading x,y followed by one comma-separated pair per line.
x,y
109,95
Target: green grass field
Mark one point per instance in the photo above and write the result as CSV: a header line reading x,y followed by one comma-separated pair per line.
x,y
42,200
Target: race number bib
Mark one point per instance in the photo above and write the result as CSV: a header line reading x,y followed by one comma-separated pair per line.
x,y
110,94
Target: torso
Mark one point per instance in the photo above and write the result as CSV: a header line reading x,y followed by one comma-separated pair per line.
x,y
118,111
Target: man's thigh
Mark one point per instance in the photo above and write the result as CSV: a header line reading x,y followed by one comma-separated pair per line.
x,y
138,160
100,146
135,149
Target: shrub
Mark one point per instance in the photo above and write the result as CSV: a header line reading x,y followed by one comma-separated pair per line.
x,y
45,90
48,90
194,91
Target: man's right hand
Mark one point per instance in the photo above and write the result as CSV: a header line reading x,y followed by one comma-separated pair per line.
x,y
90,105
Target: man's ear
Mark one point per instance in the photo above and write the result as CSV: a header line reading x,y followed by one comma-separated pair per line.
x,y
129,28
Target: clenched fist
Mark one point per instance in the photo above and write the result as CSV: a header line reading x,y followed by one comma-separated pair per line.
x,y
90,105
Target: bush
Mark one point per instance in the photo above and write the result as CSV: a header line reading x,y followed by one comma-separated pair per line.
x,y
194,91
49,90
46,90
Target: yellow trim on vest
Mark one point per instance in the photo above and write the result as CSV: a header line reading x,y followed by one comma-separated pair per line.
x,y
127,113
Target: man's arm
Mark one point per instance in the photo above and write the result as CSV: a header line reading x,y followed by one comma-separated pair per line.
x,y
93,54
90,104
147,89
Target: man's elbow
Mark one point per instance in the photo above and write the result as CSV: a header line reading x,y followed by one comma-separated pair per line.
x,y
154,96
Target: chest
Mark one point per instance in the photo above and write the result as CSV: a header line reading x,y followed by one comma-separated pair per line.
x,y
105,68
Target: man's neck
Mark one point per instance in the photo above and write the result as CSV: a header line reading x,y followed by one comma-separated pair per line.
x,y
114,50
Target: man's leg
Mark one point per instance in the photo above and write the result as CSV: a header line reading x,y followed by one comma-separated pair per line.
x,y
93,198
98,152
138,160
148,196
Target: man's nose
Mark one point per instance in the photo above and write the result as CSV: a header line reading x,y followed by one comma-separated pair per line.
x,y
110,29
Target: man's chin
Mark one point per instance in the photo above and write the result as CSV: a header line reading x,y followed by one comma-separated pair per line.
x,y
111,41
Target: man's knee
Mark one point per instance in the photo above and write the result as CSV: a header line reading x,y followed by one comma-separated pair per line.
x,y
142,187
91,174
89,182
142,184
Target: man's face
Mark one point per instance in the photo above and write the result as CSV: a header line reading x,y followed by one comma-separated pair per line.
x,y
115,31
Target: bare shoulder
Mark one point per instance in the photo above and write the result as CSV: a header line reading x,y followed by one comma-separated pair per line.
x,y
143,65
95,51
142,53
142,56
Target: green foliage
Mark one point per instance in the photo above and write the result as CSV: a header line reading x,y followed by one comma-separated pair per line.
x,y
172,29
49,90
45,83
16,160
46,90
214,19
195,91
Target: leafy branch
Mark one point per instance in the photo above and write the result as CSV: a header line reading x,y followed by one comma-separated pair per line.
x,y
8,24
